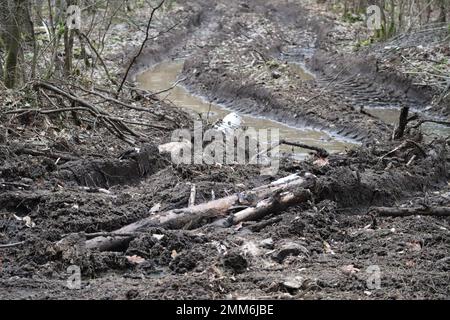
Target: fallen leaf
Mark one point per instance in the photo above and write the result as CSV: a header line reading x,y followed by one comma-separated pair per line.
x,y
349,270
415,246
135,259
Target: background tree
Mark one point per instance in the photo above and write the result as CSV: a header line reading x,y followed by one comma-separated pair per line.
x,y
12,39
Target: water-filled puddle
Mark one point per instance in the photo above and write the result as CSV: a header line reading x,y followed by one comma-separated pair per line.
x,y
392,115
165,74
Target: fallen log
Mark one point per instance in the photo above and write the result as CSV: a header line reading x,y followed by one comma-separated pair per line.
x,y
276,203
414,211
198,215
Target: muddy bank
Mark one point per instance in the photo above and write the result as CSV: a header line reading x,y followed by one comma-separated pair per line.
x,y
332,240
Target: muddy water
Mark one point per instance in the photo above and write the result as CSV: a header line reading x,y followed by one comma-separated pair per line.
x,y
391,116
164,75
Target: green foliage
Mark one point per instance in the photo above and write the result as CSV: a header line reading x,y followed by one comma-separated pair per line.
x,y
364,43
61,28
352,18
442,65
386,31
273,64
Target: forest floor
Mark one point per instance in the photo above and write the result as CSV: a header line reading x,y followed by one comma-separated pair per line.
x,y
62,181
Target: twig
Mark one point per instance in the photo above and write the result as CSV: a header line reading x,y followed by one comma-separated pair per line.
x,y
403,145
11,245
166,90
112,124
320,151
46,153
16,184
99,57
404,212
444,123
147,31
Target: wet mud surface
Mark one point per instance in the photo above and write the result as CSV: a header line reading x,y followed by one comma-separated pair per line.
x,y
88,183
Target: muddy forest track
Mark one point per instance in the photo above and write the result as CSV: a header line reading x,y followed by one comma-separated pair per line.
x,y
219,42
245,55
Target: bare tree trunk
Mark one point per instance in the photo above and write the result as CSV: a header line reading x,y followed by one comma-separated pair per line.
x,y
443,13
68,40
12,43
3,19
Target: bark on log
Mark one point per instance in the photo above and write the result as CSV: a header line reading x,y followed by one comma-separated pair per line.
x,y
195,216
404,212
276,203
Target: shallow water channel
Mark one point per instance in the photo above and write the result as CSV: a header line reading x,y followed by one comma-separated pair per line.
x,y
164,75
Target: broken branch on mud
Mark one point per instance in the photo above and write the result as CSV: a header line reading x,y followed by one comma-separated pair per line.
x,y
260,201
47,153
113,124
404,145
443,123
320,151
276,203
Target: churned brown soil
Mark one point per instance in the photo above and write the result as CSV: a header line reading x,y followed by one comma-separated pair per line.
x,y
84,180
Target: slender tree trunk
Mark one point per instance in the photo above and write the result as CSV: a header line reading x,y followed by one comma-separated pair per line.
x,y
443,13
3,24
12,43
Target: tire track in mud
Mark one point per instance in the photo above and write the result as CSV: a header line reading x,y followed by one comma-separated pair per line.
x,y
219,85
219,79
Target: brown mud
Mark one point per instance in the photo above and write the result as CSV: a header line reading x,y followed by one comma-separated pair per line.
x,y
86,181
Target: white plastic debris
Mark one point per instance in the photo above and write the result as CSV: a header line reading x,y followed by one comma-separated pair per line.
x,y
230,123
158,237
27,220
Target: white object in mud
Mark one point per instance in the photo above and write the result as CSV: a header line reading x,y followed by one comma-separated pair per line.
x,y
230,123
171,147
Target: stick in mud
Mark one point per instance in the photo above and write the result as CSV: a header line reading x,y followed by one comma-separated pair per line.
x,y
403,121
